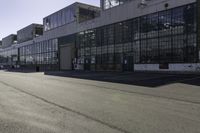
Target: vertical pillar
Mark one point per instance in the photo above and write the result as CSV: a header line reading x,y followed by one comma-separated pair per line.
x,y
198,29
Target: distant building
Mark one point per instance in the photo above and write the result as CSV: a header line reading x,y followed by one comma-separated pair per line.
x,y
9,40
29,33
121,35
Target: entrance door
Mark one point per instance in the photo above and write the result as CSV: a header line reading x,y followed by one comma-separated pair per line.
x,y
66,57
87,64
128,62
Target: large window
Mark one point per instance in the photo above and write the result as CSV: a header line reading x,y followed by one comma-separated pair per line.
x,y
39,53
9,56
165,23
135,29
152,25
127,31
119,33
179,48
178,21
165,49
164,37
65,16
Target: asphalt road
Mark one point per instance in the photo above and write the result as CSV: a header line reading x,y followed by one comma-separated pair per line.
x,y
38,103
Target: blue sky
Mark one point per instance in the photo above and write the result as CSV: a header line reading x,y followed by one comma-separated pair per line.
x,y
16,14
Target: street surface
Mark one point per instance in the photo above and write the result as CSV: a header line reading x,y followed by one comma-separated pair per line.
x,y
39,103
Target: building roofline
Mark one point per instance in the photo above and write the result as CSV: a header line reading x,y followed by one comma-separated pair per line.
x,y
9,35
75,3
30,25
88,5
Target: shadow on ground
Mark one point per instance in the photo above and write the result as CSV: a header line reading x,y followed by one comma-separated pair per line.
x,y
133,78
146,79
20,70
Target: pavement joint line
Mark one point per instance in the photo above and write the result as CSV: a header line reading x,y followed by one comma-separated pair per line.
x,y
138,93
68,109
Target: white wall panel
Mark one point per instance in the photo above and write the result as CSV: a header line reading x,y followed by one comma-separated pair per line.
x,y
193,67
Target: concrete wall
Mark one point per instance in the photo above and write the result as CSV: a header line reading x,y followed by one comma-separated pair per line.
x,y
193,67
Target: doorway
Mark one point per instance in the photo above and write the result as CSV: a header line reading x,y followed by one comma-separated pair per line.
x,y
128,63
66,56
87,65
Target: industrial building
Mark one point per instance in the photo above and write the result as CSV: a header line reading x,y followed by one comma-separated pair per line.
x,y
120,35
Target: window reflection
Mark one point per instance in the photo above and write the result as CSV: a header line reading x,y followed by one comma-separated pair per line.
x,y
41,53
164,37
59,18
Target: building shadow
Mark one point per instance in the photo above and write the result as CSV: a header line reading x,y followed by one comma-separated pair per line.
x,y
20,70
145,79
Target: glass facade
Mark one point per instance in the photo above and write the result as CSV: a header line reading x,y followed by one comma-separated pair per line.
x,y
164,37
42,53
65,16
29,32
9,57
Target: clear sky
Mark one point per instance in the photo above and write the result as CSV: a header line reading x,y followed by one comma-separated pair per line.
x,y
16,14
